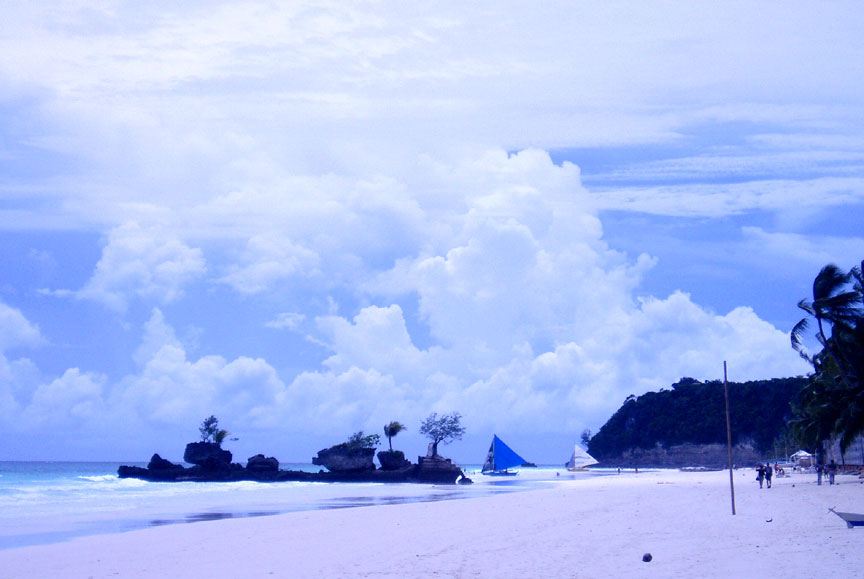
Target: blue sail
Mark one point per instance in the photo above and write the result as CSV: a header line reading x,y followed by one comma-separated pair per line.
x,y
501,456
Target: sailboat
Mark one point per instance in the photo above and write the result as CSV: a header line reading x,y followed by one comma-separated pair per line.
x,y
500,458
580,460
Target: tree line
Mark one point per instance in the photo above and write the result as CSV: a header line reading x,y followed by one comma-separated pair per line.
x,y
695,412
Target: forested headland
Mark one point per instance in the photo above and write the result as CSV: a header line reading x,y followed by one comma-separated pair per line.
x,y
694,413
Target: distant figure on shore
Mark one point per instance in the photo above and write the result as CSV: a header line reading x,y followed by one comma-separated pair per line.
x,y
760,474
769,472
819,470
832,470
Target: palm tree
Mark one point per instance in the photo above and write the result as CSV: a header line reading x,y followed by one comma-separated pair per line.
x,y
831,305
391,430
219,436
817,410
833,404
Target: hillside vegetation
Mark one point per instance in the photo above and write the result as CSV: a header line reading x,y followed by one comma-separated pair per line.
x,y
694,412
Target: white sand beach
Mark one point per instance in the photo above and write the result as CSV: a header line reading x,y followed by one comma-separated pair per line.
x,y
595,527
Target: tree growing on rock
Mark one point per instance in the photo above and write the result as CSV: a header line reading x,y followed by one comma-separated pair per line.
x,y
355,454
442,429
210,431
391,430
361,440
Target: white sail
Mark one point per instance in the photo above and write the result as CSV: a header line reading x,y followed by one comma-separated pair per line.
x,y
580,459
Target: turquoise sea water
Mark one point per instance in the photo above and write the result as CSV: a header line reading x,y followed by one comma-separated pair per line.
x,y
45,502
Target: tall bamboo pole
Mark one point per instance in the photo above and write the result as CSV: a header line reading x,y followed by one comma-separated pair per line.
x,y
729,436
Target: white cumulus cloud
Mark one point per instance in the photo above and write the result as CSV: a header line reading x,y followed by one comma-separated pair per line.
x,y
16,330
144,263
267,261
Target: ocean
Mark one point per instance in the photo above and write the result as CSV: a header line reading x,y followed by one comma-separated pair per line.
x,y
48,502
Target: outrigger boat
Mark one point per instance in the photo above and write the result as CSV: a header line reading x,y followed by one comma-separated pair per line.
x,y
852,519
580,460
500,458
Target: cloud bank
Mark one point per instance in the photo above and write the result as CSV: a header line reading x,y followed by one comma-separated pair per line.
x,y
317,217
529,322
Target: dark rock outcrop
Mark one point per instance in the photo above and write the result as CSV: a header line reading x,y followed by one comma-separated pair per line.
x,y
437,469
168,474
159,463
260,463
207,455
212,464
346,458
393,460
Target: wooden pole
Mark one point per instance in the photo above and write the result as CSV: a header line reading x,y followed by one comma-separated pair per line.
x,y
729,436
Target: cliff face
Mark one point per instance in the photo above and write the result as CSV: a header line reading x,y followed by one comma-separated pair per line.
x,y
686,455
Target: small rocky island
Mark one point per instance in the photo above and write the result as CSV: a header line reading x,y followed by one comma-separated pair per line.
x,y
351,461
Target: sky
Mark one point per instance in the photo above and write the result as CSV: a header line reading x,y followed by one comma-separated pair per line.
x,y
314,218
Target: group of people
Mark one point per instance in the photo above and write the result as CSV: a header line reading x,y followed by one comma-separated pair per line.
x,y
764,472
830,470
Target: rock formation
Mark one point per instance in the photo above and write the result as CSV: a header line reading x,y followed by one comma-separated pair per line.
x,y
345,458
213,464
437,469
393,460
207,455
159,463
260,463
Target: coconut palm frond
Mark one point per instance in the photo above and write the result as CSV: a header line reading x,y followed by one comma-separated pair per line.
x,y
219,436
857,274
829,281
797,333
839,308
391,430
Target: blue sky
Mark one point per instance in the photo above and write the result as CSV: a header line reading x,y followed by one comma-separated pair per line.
x,y
311,219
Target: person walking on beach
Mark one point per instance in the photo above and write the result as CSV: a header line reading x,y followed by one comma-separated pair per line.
x,y
768,473
832,470
819,470
760,474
